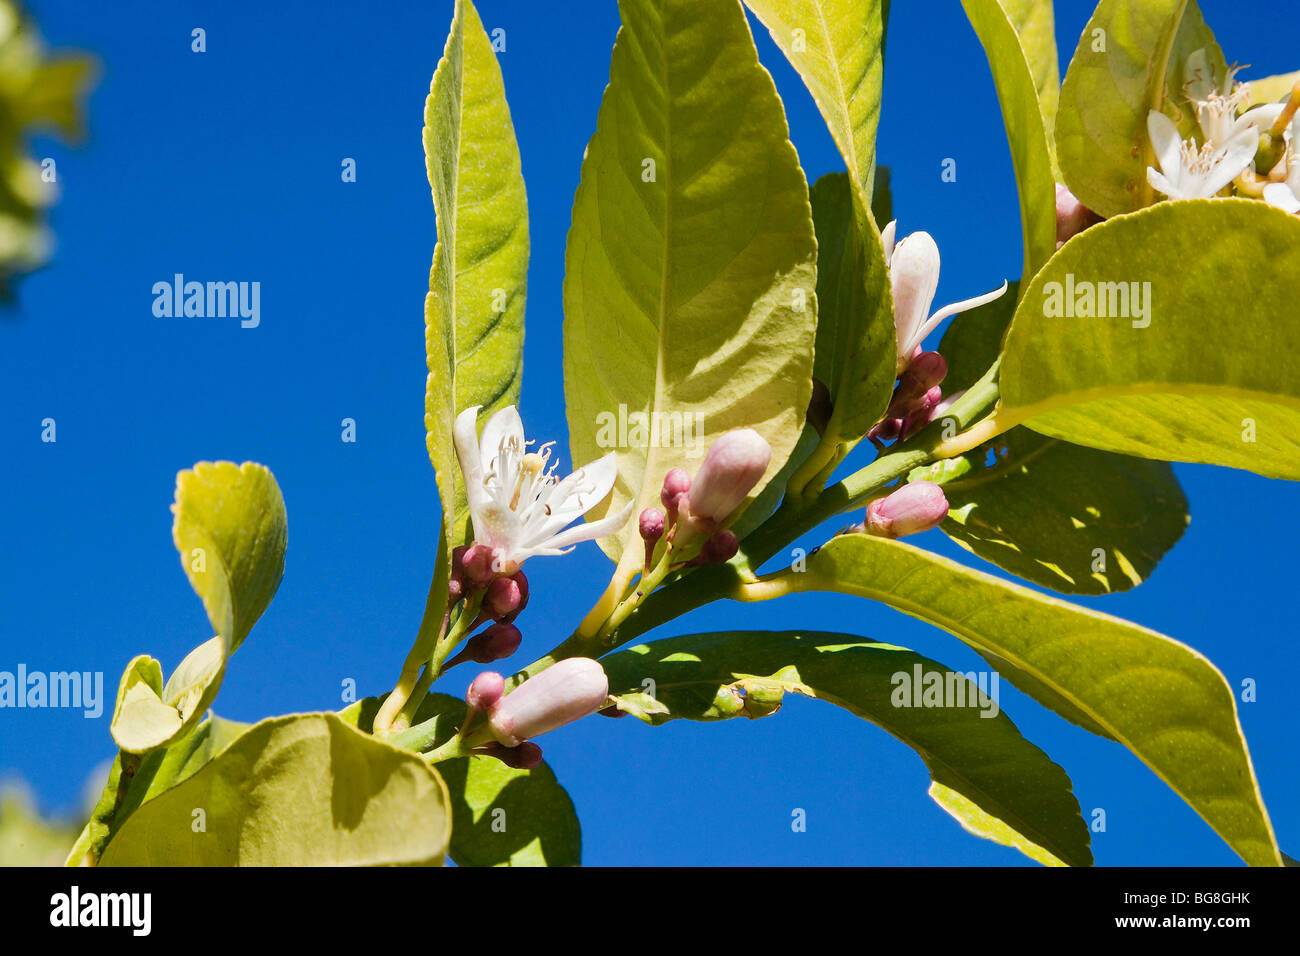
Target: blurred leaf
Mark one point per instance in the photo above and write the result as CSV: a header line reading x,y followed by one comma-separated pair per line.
x,y
1272,89
690,267
1159,698
474,312
26,837
302,790
1069,518
992,780
1182,383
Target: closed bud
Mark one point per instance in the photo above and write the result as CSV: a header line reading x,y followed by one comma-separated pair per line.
x,y
676,484
923,414
1072,216
485,691
923,373
733,466
721,546
566,691
495,643
479,564
502,600
651,525
456,583
521,582
913,508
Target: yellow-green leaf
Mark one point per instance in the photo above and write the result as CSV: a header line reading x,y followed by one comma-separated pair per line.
x,y
1188,353
1161,699
231,532
303,790
689,291
474,312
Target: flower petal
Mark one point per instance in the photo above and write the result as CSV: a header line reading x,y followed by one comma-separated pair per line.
x,y
1232,160
1165,141
590,530
956,307
502,426
887,240
1281,196
1161,184
914,277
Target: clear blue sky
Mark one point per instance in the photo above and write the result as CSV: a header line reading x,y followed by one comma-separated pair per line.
x,y
226,165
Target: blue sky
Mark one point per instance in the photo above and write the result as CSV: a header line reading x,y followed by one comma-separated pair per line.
x,y
226,166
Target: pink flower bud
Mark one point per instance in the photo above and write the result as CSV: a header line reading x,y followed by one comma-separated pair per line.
x,y
493,644
1072,216
502,599
676,484
456,583
485,691
913,508
652,525
566,691
524,757
479,563
733,466
923,373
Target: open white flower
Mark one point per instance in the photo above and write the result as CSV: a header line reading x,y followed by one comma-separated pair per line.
x,y
913,263
518,507
1189,172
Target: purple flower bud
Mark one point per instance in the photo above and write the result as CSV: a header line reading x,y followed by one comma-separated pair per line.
x,y
566,691
923,414
479,563
522,583
524,757
456,583
1072,216
733,466
923,373
502,600
913,508
720,547
493,644
485,691
676,484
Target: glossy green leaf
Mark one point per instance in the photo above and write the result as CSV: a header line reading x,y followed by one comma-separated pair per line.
x,y
689,291
836,46
1180,379
474,312
1018,40
973,340
303,790
500,816
1069,518
992,780
1130,60
231,532
1159,698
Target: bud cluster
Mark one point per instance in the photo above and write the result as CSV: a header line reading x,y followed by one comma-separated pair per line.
x,y
500,599
733,465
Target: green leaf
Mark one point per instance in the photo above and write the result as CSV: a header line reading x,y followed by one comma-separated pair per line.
x,y
302,790
1018,40
1130,60
1187,382
231,532
856,346
973,340
836,46
141,719
500,816
996,783
26,837
1159,698
1069,518
474,312
689,290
